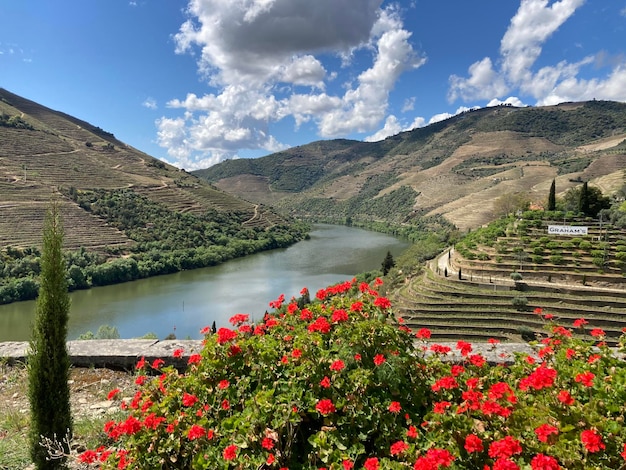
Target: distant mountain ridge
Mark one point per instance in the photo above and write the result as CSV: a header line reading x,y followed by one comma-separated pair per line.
x,y
454,168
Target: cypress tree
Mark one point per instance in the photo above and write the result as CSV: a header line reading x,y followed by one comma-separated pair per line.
x,y
388,263
552,197
583,200
48,359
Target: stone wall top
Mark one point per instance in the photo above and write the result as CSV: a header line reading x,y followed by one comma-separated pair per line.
x,y
124,353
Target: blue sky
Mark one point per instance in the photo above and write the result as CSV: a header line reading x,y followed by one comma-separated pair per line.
x,y
195,82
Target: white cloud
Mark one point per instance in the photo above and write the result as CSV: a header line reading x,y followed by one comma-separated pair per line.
x,y
150,103
533,24
511,100
255,53
392,127
409,104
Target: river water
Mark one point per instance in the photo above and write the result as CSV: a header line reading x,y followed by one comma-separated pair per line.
x,y
185,302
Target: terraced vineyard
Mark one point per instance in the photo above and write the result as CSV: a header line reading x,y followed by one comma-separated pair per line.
x,y
51,151
487,301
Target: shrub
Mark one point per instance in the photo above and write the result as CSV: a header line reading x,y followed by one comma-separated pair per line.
x,y
516,276
307,389
519,302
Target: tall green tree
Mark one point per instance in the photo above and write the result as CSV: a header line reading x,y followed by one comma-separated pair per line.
x,y
48,360
552,197
388,263
583,199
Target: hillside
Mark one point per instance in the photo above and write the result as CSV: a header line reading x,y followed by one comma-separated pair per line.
x,y
509,279
455,168
115,201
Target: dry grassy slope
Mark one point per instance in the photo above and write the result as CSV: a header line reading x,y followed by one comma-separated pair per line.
x,y
62,151
464,197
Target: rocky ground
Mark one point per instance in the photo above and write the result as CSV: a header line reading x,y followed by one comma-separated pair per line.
x,y
90,408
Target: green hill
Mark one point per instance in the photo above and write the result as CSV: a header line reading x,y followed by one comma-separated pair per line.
x,y
126,214
455,168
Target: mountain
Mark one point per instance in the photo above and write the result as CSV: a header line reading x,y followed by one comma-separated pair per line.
x,y
126,214
455,168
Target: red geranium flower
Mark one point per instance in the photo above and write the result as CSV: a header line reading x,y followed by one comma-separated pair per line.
x,y
473,443
543,432
224,335
267,443
371,464
230,452
411,432
579,323
337,365
597,332
505,464
423,333
592,440
379,359
195,432
585,378
325,406
505,448
394,407
565,397
398,448
189,400
544,462
325,382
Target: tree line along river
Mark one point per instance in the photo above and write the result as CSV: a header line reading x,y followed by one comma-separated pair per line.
x,y
185,302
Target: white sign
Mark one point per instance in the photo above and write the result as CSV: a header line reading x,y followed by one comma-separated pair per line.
x,y
567,230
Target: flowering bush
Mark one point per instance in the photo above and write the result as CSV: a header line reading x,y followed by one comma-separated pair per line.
x,y
341,384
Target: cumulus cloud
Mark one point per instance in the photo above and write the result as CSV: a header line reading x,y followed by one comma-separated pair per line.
x,y
149,103
521,46
263,62
392,127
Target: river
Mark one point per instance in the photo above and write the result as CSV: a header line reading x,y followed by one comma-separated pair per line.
x,y
184,302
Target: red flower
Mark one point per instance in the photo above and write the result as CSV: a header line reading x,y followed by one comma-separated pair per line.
x,y
296,353
224,335
357,357
230,452
434,459
337,365
398,448
579,323
423,333
541,377
371,464
448,382
394,407
544,462
339,316
379,359
505,448
382,302
592,440
178,352
112,393
196,432
238,319
194,359
223,384
457,370
565,397
141,363
440,349
189,400
411,432
321,325
585,378
505,464
464,347
347,465
325,382
325,406
543,432
225,404
473,443
597,332
441,406
477,360
538,311
270,459
267,443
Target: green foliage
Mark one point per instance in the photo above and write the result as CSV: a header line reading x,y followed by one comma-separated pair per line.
x,y
48,360
14,121
353,391
519,302
104,332
388,263
311,387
